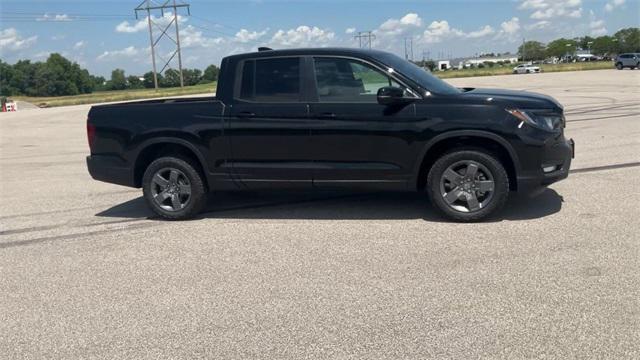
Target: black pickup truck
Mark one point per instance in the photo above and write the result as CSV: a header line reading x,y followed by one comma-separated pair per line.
x,y
332,118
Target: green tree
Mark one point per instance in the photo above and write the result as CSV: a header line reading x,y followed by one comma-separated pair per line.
x,y
604,45
561,47
628,40
148,80
134,82
118,80
531,50
585,42
210,74
191,76
6,78
171,78
99,83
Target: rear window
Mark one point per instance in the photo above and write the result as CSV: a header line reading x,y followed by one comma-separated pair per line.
x,y
271,80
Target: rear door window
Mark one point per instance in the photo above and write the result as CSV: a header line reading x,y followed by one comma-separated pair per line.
x,y
271,80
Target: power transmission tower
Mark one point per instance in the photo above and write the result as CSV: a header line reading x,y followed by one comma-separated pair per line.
x,y
150,6
365,39
408,48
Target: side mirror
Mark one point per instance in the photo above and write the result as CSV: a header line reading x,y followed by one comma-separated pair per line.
x,y
391,95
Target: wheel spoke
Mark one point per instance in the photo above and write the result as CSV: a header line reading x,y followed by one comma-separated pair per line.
x,y
173,177
175,202
161,197
185,189
486,185
160,181
472,170
452,176
472,202
452,196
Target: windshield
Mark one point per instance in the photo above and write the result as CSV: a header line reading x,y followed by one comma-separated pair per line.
x,y
418,74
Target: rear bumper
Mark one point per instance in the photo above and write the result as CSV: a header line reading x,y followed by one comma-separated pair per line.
x,y
110,169
554,165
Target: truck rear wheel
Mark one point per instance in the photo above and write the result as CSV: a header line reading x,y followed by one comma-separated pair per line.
x,y
174,189
468,185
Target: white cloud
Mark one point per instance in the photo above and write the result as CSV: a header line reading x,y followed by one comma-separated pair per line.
x,y
143,25
438,31
484,31
57,17
399,26
350,30
303,36
548,9
192,38
510,26
125,27
128,52
245,36
79,44
596,26
612,4
539,25
11,40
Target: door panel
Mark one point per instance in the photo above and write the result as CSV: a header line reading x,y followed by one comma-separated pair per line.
x,y
356,141
367,145
269,126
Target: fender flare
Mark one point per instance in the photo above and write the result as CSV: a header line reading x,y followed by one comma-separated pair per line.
x,y
171,140
468,133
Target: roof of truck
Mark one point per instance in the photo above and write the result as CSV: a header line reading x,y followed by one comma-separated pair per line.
x,y
312,51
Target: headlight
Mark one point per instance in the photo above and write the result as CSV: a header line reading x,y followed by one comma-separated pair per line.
x,y
542,119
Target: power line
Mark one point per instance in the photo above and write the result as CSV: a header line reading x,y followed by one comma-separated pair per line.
x,y
215,23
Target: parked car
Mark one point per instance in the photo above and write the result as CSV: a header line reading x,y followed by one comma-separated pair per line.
x,y
630,61
332,119
526,69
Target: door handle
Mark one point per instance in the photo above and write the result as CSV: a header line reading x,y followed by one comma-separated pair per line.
x,y
327,116
246,114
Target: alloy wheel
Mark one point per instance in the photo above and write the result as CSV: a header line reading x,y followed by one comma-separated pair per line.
x,y
467,186
170,189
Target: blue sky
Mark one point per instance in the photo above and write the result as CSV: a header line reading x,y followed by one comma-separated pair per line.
x,y
103,35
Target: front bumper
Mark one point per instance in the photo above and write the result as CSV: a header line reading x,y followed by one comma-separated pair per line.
x,y
553,166
110,169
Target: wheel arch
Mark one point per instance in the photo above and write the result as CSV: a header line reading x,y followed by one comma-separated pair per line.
x,y
467,139
159,147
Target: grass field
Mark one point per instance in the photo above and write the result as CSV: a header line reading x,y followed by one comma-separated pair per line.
x,y
124,95
114,96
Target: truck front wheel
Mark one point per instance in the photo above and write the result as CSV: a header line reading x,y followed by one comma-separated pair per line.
x,y
468,185
174,189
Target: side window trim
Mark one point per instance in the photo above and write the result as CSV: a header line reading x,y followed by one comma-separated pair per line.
x,y
239,75
314,96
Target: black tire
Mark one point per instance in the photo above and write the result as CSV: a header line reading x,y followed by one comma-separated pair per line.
x,y
189,203
528,71
488,167
619,66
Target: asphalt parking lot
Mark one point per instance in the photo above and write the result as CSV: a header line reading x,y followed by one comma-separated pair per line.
x,y
86,274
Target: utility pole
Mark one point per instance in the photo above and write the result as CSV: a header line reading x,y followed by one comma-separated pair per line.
x,y
150,6
524,49
365,39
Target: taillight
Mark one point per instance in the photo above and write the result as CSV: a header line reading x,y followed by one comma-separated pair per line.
x,y
91,134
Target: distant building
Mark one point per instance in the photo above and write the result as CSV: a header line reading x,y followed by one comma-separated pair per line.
x,y
444,65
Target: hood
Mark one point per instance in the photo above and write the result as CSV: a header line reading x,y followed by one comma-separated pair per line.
x,y
517,99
